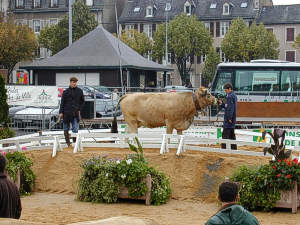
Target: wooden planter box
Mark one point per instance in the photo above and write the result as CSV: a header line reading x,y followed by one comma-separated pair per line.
x,y
289,199
124,192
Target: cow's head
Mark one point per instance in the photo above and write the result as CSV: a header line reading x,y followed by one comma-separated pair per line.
x,y
205,98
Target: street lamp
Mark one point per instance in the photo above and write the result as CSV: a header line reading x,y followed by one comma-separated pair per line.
x,y
167,9
70,22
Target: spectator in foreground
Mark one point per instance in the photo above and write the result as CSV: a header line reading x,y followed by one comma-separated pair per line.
x,y
10,202
230,213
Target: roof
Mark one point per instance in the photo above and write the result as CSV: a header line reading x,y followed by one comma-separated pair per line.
x,y
98,49
259,64
280,14
202,9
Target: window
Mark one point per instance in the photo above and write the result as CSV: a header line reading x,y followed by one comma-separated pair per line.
x,y
247,80
53,21
217,29
244,5
19,4
149,11
290,56
53,3
187,8
36,3
212,29
290,81
148,30
36,26
226,9
207,26
290,34
136,9
213,5
224,28
129,28
203,58
223,77
269,30
256,4
89,2
168,7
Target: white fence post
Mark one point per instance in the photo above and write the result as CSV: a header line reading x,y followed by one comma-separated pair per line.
x,y
76,143
54,147
163,144
180,146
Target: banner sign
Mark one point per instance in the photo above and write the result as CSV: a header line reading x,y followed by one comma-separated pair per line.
x,y
32,95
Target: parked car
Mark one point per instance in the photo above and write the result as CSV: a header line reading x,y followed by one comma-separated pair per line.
x,y
173,88
33,117
90,91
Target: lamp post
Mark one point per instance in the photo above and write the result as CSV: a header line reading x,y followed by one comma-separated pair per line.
x,y
168,8
70,22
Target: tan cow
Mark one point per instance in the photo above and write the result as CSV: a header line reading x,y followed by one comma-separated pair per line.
x,y
174,110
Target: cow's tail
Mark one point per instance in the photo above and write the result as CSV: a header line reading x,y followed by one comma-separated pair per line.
x,y
114,125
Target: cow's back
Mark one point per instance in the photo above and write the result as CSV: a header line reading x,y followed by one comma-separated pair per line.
x,y
154,109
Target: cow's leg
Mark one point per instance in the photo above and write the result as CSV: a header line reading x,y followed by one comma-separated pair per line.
x,y
132,128
169,131
179,132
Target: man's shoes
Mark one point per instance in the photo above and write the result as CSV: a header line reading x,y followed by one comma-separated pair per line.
x,y
67,137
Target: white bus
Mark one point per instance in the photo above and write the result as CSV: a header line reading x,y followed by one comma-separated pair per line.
x,y
265,88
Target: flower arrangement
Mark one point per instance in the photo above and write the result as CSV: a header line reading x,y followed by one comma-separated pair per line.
x,y
17,161
103,178
260,186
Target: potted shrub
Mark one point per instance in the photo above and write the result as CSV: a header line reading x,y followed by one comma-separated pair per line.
x,y
106,180
274,184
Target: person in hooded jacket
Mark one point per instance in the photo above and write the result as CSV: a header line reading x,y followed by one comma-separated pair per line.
x,y
10,202
72,101
230,213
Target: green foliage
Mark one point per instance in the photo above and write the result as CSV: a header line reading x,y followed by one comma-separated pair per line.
x,y
17,42
260,187
3,103
211,63
187,37
17,161
242,44
5,132
297,42
56,37
139,42
103,178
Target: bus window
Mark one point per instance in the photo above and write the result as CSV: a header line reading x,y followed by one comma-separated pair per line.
x,y
290,81
243,81
222,78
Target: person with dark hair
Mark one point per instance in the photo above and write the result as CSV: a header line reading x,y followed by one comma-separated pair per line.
x,y
70,107
10,202
230,106
230,213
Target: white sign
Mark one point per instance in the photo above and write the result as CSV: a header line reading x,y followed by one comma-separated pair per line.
x,y
32,95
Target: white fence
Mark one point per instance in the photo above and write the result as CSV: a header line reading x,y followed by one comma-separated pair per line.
x,y
196,139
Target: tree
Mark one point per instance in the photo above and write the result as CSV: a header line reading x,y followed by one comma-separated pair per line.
x,y
17,43
297,42
211,63
139,42
187,37
243,44
3,102
56,37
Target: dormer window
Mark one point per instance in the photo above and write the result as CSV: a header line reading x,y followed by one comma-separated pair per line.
x,y
187,8
244,5
226,9
136,9
89,2
256,4
149,11
213,5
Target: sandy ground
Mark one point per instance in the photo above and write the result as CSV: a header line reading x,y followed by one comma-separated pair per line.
x,y
194,180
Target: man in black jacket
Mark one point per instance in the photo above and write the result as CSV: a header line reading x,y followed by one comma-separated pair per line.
x,y
230,106
71,104
10,202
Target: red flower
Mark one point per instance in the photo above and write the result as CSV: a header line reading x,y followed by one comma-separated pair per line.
x,y
279,160
273,167
278,175
285,160
289,163
295,160
288,176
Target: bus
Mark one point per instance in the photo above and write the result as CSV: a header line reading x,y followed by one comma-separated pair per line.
x,y
264,88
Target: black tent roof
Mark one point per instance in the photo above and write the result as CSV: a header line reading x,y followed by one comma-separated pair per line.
x,y
98,49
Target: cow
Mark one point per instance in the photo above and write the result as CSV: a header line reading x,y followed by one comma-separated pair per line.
x,y
173,110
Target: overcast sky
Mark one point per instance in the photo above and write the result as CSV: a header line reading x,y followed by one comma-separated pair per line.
x,y
285,2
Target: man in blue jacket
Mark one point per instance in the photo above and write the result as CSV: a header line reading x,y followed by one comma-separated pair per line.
x,y
230,106
230,213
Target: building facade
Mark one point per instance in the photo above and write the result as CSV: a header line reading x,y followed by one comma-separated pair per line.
x,y
145,15
284,22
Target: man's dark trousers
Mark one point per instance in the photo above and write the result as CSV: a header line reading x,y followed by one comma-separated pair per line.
x,y
228,133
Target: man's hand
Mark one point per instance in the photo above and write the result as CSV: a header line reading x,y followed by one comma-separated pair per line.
x,y
61,115
79,115
230,121
220,101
